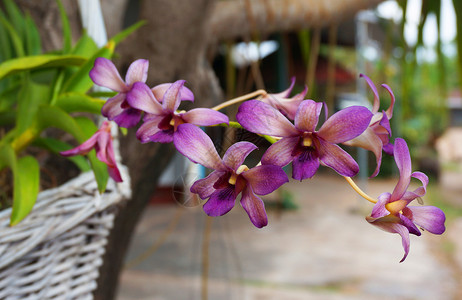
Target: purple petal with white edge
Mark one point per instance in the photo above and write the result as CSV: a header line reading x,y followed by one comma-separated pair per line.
x,y
346,124
403,162
305,165
376,104
113,106
171,100
307,115
389,111
370,141
104,73
265,179
84,148
204,187
196,145
137,71
141,97
259,117
220,202
128,118
254,207
204,117
236,154
280,153
159,91
430,218
338,159
148,129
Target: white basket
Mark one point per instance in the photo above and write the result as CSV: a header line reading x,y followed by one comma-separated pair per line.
x,y
56,251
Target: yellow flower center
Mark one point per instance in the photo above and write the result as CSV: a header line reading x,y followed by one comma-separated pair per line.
x,y
233,178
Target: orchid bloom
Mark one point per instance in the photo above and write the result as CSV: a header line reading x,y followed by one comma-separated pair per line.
x,y
230,177
377,136
281,101
104,73
392,213
301,144
161,118
101,141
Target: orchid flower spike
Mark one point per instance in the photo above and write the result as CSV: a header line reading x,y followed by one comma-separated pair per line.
x,y
392,213
281,101
230,176
301,143
104,73
101,141
377,136
161,119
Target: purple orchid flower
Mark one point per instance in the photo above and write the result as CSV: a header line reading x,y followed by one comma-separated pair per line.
x,y
377,136
230,177
161,121
101,141
301,143
104,73
281,101
392,213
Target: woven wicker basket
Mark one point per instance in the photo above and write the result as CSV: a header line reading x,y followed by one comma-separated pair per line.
x,y
56,251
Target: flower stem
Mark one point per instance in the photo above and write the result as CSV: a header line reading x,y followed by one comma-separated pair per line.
x,y
239,99
359,191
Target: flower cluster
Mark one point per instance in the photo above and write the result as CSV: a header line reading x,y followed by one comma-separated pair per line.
x,y
293,124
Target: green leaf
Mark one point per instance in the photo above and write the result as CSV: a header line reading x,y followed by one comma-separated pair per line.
x,y
67,36
33,40
85,46
57,146
80,81
39,61
15,37
123,34
78,102
52,116
16,17
30,97
5,49
26,182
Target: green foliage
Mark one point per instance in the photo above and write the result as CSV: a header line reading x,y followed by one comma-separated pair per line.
x,y
39,91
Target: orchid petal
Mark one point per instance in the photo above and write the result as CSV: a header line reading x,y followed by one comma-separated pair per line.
x,y
280,153
220,202
254,207
389,111
196,145
114,173
305,165
113,106
84,148
420,191
261,118
307,115
204,187
385,123
204,117
137,71
430,218
388,149
379,210
236,154
403,162
346,124
265,179
289,107
104,73
163,136
128,117
148,129
338,159
370,141
171,100
159,92
141,97
376,104
405,221
104,139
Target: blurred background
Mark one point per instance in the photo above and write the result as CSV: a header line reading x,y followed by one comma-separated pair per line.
x,y
317,244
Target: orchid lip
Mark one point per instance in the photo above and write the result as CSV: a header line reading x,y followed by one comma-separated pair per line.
x,y
396,206
232,180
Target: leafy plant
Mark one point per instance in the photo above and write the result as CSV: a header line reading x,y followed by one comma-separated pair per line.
x,y
42,90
